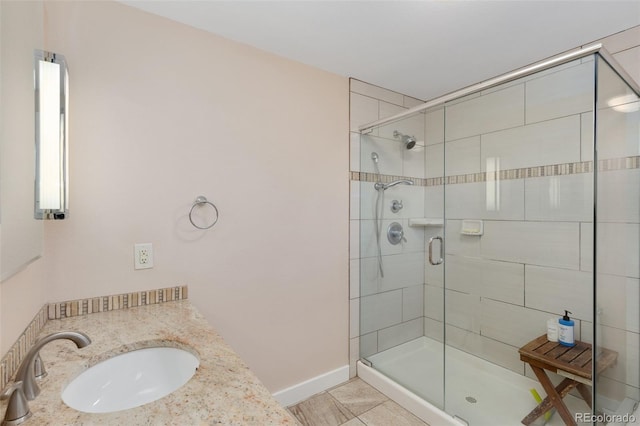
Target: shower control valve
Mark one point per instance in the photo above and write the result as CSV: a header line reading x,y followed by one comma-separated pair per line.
x,y
396,206
395,234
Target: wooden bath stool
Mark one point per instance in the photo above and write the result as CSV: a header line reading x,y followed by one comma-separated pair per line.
x,y
574,363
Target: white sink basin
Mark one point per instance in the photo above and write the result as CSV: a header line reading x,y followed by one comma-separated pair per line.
x,y
131,379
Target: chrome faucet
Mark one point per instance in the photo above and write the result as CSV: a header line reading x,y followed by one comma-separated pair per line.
x,y
26,372
24,386
18,408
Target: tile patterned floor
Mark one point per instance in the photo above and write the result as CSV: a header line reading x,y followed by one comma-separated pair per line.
x,y
353,403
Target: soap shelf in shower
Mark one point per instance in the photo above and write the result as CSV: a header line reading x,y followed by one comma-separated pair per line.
x,y
472,227
425,221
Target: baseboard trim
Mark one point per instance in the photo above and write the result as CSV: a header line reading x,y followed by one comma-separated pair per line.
x,y
296,393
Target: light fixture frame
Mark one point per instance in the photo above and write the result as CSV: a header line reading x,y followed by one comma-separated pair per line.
x,y
52,142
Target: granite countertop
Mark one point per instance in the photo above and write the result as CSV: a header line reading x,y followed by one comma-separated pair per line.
x,y
223,390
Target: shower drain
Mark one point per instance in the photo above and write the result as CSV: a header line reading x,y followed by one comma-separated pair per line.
x,y
471,399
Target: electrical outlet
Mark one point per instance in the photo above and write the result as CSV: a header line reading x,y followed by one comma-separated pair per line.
x,y
143,256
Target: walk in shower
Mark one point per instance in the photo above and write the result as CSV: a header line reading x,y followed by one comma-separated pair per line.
x,y
525,202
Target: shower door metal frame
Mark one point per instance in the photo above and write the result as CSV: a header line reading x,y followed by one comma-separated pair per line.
x,y
631,83
510,76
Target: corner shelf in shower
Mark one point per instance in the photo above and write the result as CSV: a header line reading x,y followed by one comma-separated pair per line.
x,y
425,221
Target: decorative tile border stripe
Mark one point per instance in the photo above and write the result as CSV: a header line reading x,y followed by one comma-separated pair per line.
x,y
528,172
10,363
373,177
625,163
12,359
111,303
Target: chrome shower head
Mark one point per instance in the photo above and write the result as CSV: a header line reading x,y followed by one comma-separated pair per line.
x,y
408,141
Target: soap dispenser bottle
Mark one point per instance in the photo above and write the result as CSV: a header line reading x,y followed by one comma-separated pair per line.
x,y
565,330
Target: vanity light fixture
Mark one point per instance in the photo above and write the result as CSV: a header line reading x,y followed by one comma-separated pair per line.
x,y
51,124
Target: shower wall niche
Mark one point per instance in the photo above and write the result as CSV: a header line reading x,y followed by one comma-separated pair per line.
x,y
550,164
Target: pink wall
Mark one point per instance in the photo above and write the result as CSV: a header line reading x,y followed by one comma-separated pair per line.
x,y
23,294
162,113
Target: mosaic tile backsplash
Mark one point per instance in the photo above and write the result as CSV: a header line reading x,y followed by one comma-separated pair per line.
x,y
109,303
12,359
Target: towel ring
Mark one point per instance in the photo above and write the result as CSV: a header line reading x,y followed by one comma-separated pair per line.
x,y
199,202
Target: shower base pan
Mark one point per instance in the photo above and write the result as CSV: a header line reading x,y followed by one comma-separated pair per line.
x,y
478,393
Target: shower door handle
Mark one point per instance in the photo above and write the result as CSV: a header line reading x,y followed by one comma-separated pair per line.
x,y
441,259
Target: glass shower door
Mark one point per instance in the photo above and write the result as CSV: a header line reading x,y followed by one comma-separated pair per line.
x,y
401,314
617,243
518,204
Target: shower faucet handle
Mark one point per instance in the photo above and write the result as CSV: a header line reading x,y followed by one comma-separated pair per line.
x,y
395,234
396,206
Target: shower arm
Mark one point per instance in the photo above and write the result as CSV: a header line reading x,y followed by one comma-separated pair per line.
x,y
384,186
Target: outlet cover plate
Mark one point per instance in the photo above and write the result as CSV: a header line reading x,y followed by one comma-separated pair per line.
x,y
143,256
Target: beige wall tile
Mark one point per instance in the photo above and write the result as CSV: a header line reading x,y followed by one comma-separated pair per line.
x,y
630,61
617,298
565,92
618,248
412,302
363,110
410,102
548,142
627,345
493,351
434,329
496,111
376,92
434,302
560,198
622,40
462,156
514,325
380,311
539,243
401,333
462,310
434,126
502,281
494,199
554,290
614,201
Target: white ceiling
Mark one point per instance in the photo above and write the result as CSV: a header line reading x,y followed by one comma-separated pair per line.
x,y
420,48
